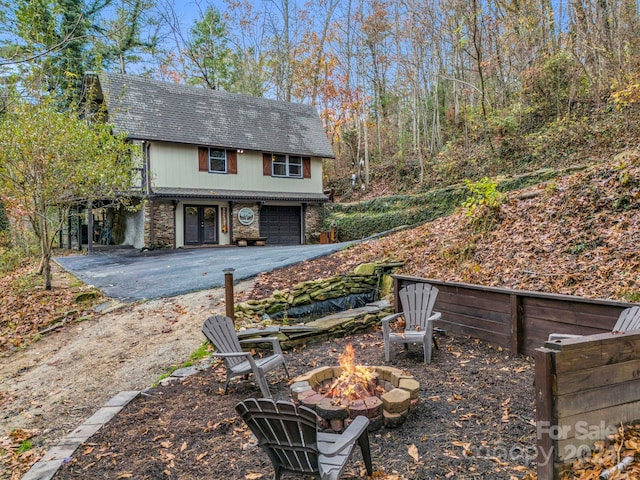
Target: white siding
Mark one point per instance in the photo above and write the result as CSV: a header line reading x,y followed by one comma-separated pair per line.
x,y
176,166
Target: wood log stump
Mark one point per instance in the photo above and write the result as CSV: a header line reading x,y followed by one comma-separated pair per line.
x,y
357,407
327,409
310,399
374,406
337,425
394,420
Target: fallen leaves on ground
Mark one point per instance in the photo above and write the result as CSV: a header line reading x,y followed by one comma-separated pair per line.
x,y
430,444
16,453
576,235
413,453
607,454
28,310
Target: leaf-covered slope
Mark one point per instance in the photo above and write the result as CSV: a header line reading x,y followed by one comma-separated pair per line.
x,y
27,310
578,235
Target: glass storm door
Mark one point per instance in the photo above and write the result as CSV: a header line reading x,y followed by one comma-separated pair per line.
x,y
200,224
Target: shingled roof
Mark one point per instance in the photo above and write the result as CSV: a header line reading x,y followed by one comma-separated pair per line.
x,y
147,109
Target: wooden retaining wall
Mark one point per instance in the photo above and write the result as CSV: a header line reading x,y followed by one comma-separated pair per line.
x,y
585,389
518,320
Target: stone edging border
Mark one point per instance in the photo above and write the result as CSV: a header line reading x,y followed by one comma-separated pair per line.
x,y
47,466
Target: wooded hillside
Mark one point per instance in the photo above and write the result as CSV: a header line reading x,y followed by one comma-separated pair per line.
x,y
413,94
576,235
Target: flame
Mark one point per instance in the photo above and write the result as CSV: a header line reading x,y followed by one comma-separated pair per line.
x,y
355,381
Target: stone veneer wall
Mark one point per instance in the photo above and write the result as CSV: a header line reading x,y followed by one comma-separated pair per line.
x,y
363,279
313,223
164,224
246,231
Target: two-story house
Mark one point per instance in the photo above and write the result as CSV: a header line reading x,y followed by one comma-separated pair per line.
x,y
216,167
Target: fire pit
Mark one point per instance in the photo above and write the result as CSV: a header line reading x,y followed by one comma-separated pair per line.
x,y
385,395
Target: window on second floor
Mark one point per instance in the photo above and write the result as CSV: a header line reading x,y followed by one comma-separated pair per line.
x,y
217,160
286,166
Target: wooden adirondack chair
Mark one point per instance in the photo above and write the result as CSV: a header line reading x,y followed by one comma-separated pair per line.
x,y
417,308
289,436
222,334
628,320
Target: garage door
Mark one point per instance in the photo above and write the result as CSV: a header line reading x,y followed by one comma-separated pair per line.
x,y
281,225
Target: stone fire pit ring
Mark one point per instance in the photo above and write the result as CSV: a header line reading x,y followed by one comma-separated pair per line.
x,y
390,409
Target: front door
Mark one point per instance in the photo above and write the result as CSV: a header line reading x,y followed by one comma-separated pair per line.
x,y
200,224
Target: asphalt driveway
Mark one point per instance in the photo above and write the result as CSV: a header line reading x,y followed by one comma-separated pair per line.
x,y
130,275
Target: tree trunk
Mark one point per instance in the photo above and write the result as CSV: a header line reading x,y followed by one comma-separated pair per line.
x,y
47,272
286,55
320,51
366,154
45,259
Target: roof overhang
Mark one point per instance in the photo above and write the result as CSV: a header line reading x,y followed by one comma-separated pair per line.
x,y
238,195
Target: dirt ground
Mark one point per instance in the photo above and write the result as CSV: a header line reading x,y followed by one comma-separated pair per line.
x,y
475,420
51,387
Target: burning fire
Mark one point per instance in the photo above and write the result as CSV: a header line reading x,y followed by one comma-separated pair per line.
x,y
355,381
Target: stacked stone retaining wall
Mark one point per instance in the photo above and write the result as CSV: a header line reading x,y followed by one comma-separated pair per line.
x,y
365,278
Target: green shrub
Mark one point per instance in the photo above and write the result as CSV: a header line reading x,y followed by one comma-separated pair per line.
x,y
10,258
483,206
484,193
552,83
